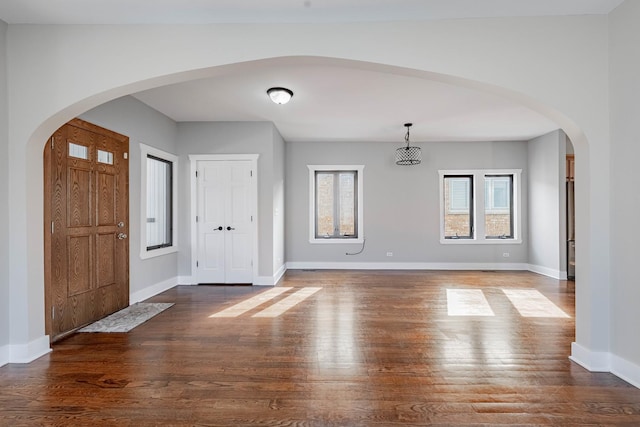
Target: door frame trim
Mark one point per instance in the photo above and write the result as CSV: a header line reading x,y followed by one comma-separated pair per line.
x,y
193,160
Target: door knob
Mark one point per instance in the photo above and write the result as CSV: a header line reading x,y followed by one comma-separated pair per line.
x,y
218,228
230,228
122,236
121,224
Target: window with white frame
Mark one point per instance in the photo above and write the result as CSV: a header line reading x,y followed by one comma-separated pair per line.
x,y
458,202
480,206
335,203
498,209
158,202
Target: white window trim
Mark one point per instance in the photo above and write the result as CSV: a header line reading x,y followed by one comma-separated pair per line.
x,y
312,197
478,207
146,150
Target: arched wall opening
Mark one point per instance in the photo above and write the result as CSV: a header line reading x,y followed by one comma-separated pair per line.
x,y
33,299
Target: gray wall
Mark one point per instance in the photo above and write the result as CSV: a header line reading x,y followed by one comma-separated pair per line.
x,y
547,212
232,138
401,204
624,40
4,193
141,124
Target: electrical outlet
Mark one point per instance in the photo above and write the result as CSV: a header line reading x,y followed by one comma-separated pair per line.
x,y
505,254
389,253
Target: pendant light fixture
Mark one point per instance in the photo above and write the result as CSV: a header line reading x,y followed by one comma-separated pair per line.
x,y
280,95
407,156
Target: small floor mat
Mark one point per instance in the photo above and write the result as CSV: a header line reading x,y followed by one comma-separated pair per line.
x,y
128,318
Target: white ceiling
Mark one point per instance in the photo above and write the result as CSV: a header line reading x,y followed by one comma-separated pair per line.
x,y
215,11
343,101
332,101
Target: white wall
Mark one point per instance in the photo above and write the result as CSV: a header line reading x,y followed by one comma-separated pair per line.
x,y
625,201
47,87
141,124
279,179
562,194
401,204
569,147
546,204
232,138
4,210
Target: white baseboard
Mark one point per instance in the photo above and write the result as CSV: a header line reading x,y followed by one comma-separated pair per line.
x,y
258,281
622,368
263,281
186,280
279,274
152,290
25,353
545,271
404,266
516,266
601,361
270,280
594,361
4,355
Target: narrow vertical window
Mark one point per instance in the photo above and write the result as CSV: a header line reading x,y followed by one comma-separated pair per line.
x,y
336,204
498,205
458,206
159,203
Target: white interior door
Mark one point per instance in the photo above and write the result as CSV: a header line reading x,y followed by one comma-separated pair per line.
x,y
225,237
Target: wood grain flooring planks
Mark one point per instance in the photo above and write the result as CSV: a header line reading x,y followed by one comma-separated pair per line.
x,y
371,348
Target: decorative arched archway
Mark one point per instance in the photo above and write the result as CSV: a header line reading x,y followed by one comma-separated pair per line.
x,y
68,95
239,67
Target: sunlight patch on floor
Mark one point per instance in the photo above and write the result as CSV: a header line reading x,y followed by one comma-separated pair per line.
x,y
283,305
251,303
467,302
531,303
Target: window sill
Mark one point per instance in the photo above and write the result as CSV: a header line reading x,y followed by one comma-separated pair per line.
x,y
480,242
336,241
158,252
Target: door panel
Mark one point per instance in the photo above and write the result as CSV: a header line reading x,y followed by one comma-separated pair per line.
x,y
78,208
79,264
239,243
210,220
86,197
238,260
106,185
213,253
224,191
106,257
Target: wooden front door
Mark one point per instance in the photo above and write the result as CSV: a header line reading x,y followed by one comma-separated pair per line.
x,y
86,226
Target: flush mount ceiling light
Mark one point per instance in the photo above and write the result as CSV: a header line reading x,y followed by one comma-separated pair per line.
x,y
280,95
407,156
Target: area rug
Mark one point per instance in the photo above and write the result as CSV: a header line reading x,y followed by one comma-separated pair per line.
x,y
128,318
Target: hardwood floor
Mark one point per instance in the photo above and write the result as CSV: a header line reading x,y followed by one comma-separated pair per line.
x,y
370,348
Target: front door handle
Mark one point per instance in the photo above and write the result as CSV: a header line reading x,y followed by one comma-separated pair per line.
x,y
230,228
122,236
